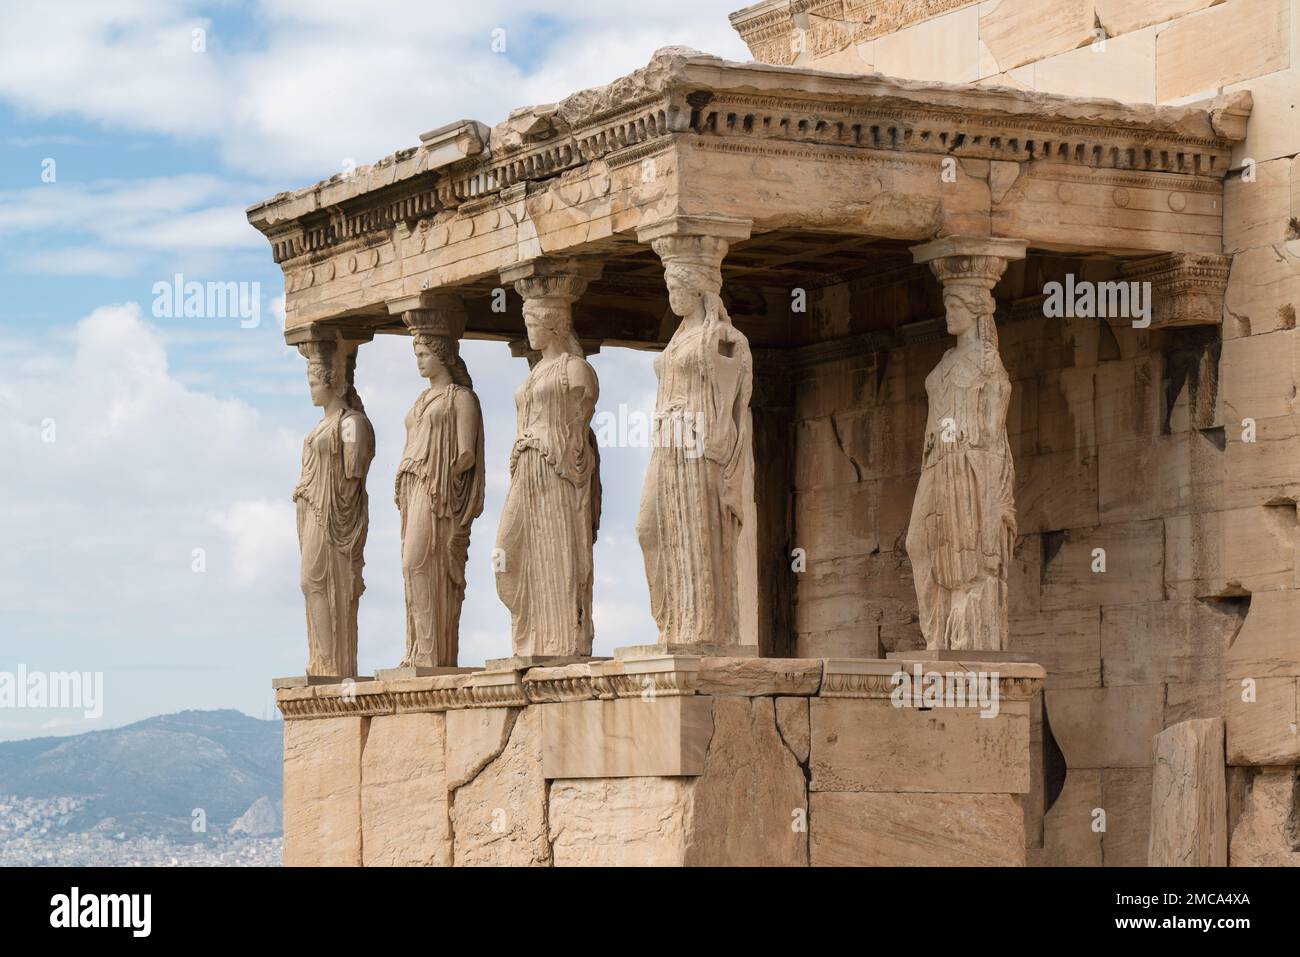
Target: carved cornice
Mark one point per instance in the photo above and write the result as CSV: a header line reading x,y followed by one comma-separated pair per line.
x,y
864,678
683,96
659,676
645,678
1187,289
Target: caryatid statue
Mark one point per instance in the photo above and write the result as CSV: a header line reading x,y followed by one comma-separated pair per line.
x,y
333,511
439,487
692,505
963,524
543,555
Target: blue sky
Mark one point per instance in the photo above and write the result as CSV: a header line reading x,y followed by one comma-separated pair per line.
x,y
132,441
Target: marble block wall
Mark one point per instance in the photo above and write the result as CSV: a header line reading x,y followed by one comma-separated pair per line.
x,y
663,761
1177,451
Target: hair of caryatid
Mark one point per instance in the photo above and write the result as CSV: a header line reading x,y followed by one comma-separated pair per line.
x,y
320,357
557,317
351,398
980,301
448,350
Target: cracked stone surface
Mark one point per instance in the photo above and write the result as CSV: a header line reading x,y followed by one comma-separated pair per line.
x,y
499,818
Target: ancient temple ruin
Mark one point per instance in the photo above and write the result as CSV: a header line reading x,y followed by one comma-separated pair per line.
x,y
985,380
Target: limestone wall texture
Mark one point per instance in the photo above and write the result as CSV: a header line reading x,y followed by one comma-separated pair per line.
x,y
674,761
1175,451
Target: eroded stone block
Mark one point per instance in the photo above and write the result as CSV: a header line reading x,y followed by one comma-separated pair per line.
x,y
620,822
875,829
867,744
499,818
404,793
1189,813
322,791
626,737
1266,832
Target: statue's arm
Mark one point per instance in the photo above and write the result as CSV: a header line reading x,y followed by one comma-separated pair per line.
x,y
358,445
469,422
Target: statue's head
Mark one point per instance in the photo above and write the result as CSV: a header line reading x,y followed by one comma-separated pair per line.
x,y
550,321
431,354
436,353
965,305
325,379
692,287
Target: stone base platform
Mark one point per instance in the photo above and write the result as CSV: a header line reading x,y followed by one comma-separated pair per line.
x,y
306,681
667,760
420,671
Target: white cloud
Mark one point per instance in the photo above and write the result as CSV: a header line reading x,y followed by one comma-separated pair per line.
x,y
262,538
118,227
330,81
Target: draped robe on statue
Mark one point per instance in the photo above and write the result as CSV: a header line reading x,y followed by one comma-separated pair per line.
x,y
963,524
333,515
438,506
551,514
691,508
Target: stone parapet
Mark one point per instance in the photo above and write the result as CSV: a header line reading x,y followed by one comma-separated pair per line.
x,y
669,760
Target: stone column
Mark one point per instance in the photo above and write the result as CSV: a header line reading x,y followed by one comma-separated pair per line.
x,y
543,554
963,524
332,506
699,486
439,485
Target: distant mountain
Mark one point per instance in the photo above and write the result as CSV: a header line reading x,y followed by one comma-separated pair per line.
x,y
147,779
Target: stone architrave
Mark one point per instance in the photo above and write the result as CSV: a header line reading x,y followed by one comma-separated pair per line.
x,y
440,481
963,524
692,506
543,555
333,511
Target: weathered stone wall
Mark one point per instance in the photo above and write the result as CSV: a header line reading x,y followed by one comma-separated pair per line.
x,y
691,762
1140,443
1120,444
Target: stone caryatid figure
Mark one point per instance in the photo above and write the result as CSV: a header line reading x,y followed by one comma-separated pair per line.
x,y
692,506
333,511
439,487
543,555
963,523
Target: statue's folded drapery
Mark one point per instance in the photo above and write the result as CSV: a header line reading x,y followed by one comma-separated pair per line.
x,y
333,516
551,513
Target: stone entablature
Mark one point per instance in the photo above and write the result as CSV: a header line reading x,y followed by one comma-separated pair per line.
x,y
693,135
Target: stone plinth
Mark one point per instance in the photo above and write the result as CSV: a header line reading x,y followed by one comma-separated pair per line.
x,y
671,760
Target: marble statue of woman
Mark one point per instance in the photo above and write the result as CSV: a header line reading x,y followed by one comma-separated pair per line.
x,y
439,492
691,505
333,511
552,510
963,523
